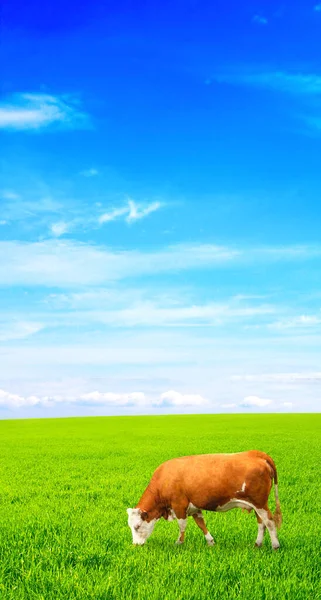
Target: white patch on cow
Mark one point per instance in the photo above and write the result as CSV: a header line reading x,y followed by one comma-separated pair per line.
x,y
269,523
182,523
209,539
192,510
260,534
242,490
235,503
141,529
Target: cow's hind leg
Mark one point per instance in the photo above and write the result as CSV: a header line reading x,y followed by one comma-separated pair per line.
x,y
260,533
268,521
199,520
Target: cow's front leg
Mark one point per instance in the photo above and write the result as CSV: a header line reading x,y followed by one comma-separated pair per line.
x,y
199,520
181,516
182,524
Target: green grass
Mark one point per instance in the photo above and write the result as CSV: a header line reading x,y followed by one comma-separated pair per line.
x,y
66,484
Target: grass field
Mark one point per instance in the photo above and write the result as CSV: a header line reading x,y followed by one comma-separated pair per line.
x,y
66,484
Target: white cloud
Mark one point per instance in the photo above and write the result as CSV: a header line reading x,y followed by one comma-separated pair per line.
x,y
59,228
151,314
15,401
106,399
58,263
138,211
33,111
302,321
287,404
114,399
229,405
18,330
292,83
137,399
133,212
255,401
3,222
173,398
62,263
113,214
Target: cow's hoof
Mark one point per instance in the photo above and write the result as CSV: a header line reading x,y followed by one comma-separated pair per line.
x,y
276,547
178,543
256,545
210,543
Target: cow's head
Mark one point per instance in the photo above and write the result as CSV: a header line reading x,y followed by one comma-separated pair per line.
x,y
140,526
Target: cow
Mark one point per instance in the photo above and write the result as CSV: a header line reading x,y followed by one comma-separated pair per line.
x,y
183,487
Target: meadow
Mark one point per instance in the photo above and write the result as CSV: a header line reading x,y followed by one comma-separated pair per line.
x,y
66,484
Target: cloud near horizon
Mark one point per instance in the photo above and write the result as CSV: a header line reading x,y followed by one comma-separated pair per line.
x,y
136,400
107,399
255,401
313,377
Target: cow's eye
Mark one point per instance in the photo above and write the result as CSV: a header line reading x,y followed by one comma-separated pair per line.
x,y
136,527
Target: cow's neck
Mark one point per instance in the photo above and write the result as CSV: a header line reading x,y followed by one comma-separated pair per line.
x,y
149,503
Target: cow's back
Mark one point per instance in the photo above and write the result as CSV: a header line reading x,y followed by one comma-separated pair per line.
x,y
210,480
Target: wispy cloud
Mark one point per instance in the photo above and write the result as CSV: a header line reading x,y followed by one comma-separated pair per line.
x,y
59,228
317,7
313,377
113,214
293,83
18,330
305,87
9,195
57,263
40,207
137,212
34,111
110,398
302,321
132,211
149,314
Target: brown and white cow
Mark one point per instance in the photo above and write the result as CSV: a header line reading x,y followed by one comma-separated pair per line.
x,y
182,487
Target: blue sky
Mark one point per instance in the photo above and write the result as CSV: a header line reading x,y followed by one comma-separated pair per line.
x,y
160,208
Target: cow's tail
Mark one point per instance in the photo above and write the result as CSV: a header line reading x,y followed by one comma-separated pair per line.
x,y
277,517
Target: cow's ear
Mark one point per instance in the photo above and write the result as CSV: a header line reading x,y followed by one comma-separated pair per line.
x,y
144,515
